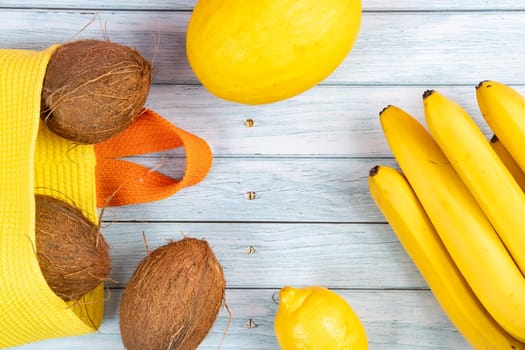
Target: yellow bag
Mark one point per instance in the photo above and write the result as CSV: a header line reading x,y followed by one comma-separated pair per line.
x,y
35,160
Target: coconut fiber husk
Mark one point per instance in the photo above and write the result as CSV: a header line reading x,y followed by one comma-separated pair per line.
x,y
94,89
72,253
173,298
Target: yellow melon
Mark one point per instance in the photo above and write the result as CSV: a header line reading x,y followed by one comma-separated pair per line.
x,y
257,52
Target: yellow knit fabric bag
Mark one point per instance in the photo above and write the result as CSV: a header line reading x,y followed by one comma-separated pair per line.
x,y
34,160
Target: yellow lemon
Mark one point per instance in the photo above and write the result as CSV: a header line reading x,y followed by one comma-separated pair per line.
x,y
316,318
263,51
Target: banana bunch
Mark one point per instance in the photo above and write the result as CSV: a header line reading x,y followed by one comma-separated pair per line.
x,y
457,206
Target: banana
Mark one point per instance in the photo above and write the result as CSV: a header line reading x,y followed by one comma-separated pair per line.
x,y
398,203
510,163
461,224
477,164
504,111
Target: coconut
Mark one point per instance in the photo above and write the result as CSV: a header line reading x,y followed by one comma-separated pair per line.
x,y
94,89
72,253
173,298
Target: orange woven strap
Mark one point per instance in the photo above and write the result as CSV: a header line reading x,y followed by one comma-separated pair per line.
x,y
121,182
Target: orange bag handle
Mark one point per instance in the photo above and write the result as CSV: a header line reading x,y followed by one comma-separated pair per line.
x,y
121,182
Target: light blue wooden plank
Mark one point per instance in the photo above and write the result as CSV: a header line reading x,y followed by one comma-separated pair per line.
x,y
368,5
362,256
331,121
286,190
398,320
399,48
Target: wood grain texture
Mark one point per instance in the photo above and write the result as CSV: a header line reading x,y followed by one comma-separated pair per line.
x,y
326,121
368,5
286,190
393,48
425,326
259,255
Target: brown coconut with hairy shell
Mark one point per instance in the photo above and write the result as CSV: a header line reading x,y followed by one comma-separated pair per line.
x,y
173,298
94,89
72,253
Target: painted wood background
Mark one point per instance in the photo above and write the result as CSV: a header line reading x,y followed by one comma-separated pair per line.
x,y
306,159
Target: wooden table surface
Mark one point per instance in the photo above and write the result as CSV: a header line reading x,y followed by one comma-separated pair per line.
x,y
312,221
